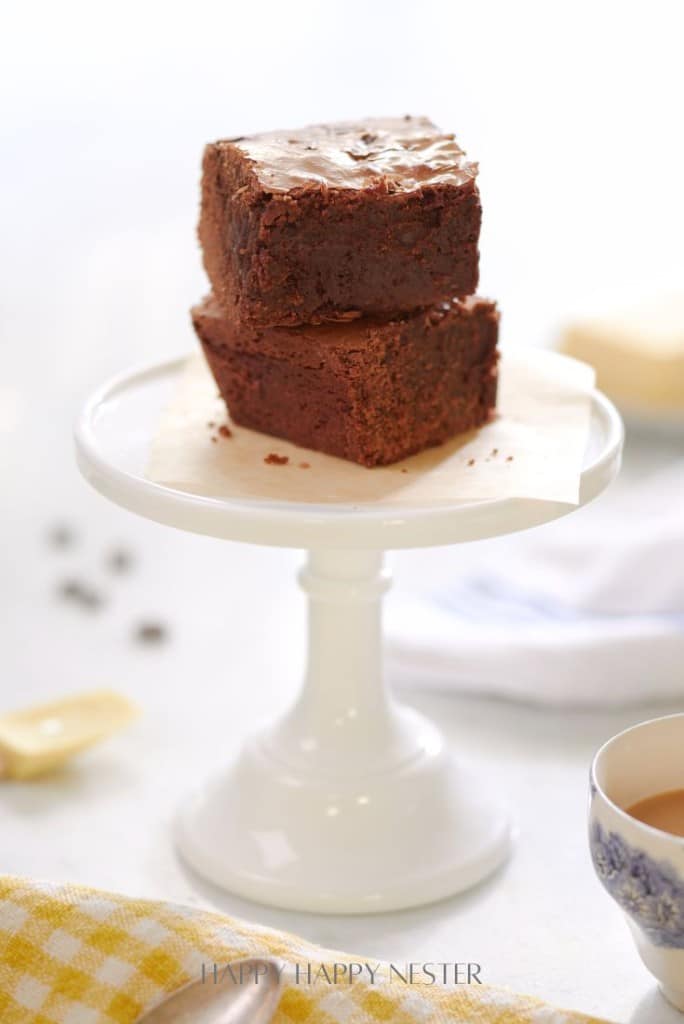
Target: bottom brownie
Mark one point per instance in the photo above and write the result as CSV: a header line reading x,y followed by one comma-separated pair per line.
x,y
370,391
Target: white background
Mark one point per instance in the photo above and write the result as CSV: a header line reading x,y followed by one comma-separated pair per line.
x,y
574,113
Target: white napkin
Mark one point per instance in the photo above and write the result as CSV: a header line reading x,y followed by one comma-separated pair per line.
x,y
585,611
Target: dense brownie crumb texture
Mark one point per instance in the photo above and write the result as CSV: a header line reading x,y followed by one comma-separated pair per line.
x,y
339,220
343,261
372,391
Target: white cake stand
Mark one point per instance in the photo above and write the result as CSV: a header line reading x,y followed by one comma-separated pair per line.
x,y
350,803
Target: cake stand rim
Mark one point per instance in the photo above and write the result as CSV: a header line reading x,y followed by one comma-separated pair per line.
x,y
272,522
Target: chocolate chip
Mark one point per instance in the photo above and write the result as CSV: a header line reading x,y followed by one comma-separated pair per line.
x,y
69,589
90,599
119,560
150,633
81,594
225,431
61,536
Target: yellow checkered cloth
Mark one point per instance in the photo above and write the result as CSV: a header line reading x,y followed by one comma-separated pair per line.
x,y
71,955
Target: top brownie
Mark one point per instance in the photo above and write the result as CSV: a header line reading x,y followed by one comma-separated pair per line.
x,y
338,221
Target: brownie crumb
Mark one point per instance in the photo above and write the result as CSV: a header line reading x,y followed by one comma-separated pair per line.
x,y
211,424
150,633
509,458
435,316
214,438
404,470
494,452
120,560
276,460
471,462
61,536
81,594
304,465
225,431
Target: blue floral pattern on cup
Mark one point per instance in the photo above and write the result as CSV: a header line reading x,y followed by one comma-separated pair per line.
x,y
650,891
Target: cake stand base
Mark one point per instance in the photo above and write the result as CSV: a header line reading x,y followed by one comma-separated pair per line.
x,y
351,803
407,837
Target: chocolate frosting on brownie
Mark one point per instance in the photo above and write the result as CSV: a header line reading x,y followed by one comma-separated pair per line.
x,y
403,153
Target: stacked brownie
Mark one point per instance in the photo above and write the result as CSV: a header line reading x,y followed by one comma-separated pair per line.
x,y
343,260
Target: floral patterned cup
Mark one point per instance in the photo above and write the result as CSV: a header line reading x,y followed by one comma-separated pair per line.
x,y
642,867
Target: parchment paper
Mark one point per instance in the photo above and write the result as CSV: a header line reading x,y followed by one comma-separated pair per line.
x,y
533,449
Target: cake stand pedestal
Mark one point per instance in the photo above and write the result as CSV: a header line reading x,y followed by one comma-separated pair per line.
x,y
351,802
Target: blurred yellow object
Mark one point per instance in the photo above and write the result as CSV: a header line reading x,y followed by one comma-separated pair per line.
x,y
638,356
39,739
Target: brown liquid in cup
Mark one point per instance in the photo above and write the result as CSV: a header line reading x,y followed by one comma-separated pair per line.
x,y
663,810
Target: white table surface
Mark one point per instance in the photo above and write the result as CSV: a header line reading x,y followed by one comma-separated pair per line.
x,y
98,272
236,618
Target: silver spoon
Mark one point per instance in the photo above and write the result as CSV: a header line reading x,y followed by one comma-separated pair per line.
x,y
246,994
